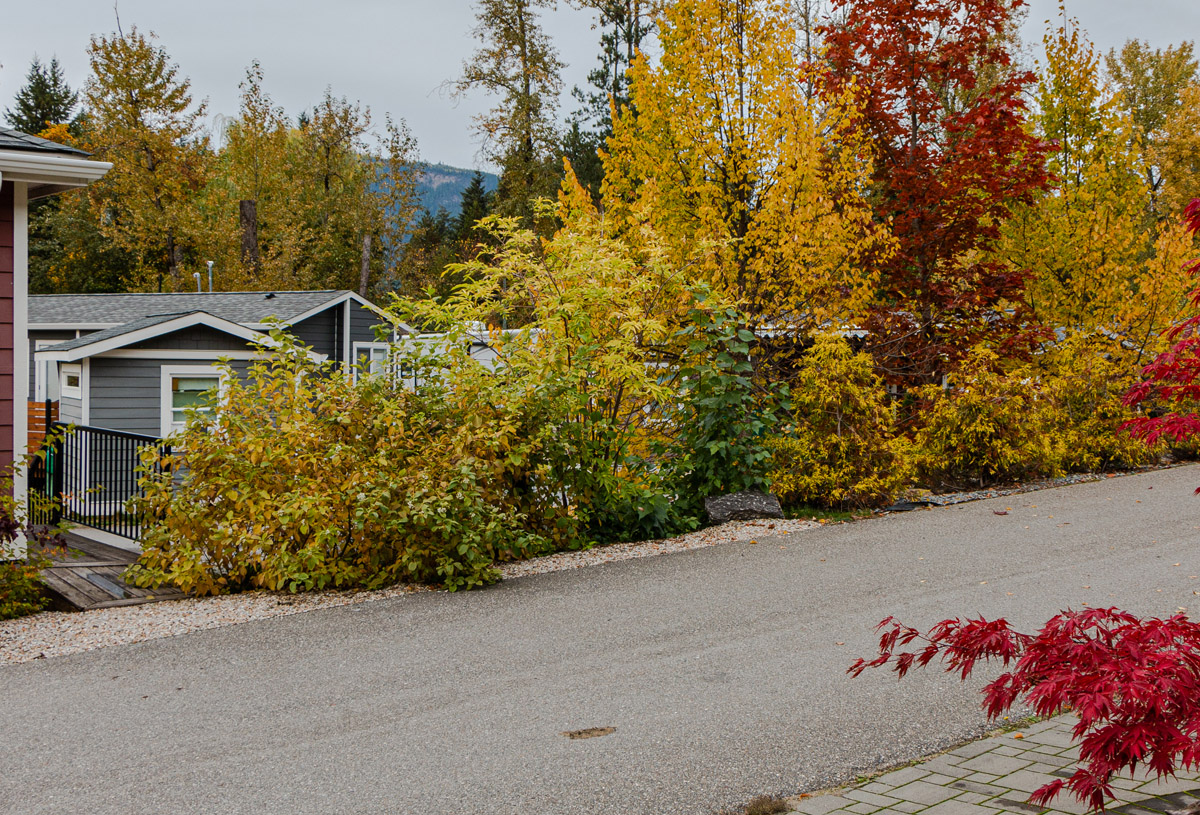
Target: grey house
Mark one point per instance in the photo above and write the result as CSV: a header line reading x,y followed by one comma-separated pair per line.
x,y
135,362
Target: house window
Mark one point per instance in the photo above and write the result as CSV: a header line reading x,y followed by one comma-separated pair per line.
x,y
185,388
372,358
71,380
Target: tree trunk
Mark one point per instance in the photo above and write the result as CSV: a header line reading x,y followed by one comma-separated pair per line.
x,y
174,261
248,212
364,272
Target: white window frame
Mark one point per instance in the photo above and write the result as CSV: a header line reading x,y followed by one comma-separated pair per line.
x,y
361,348
169,372
64,390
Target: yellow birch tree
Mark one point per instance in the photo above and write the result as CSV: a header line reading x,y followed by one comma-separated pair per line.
x,y
1096,262
142,119
752,186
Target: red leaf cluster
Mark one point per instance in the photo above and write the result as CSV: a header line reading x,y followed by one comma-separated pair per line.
x,y
1133,683
1172,376
943,106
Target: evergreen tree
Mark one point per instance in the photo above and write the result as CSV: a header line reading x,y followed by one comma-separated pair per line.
x,y
582,148
477,203
45,100
624,25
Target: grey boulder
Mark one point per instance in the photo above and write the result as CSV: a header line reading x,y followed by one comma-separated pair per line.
x,y
742,506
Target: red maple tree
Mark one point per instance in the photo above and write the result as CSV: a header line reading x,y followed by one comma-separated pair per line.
x,y
1172,376
1133,683
943,106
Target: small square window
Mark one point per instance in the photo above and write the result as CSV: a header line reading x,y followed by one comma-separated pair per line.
x,y
71,381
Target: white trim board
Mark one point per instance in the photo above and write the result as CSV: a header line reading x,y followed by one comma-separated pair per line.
x,y
20,339
72,326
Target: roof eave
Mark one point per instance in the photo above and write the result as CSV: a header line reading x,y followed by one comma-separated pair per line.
x,y
47,174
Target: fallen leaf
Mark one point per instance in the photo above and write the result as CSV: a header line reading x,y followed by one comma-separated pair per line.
x,y
754,541
839,643
999,511
1018,735
983,582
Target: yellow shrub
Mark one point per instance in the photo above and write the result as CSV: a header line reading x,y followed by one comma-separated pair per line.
x,y
1085,379
840,449
986,427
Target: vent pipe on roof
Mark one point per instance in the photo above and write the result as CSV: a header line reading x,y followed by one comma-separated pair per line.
x,y
197,276
209,276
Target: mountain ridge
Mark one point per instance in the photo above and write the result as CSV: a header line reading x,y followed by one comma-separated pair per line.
x,y
441,186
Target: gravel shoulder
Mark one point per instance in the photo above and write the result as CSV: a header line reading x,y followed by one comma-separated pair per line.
x,y
54,633
57,633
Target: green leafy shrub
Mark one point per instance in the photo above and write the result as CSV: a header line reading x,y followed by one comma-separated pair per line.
x,y
723,422
308,480
840,448
986,427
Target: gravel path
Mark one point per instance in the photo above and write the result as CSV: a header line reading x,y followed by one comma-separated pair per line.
x,y
56,633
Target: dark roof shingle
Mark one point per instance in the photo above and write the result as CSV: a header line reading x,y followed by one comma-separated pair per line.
x,y
245,308
16,140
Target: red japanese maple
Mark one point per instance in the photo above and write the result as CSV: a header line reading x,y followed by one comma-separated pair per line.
x,y
1172,376
1133,683
943,105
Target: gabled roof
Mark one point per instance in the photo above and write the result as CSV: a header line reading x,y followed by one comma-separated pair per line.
x,y
16,140
251,309
110,333
146,328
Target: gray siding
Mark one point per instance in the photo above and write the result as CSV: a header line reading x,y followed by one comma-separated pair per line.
x,y
70,410
362,325
126,394
196,338
322,332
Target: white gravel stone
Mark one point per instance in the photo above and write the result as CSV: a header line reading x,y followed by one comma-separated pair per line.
x,y
56,633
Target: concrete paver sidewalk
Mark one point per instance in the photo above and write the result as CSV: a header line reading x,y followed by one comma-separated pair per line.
x,y
995,776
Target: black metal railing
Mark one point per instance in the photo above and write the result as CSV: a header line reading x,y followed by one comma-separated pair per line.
x,y
92,475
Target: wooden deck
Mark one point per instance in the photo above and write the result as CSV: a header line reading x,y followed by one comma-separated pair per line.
x,y
88,576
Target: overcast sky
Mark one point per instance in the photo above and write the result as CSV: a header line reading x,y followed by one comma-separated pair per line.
x,y
395,55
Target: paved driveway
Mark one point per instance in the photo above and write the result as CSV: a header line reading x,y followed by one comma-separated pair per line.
x,y
722,671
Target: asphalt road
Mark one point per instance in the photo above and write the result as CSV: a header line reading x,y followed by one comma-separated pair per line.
x,y
722,670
